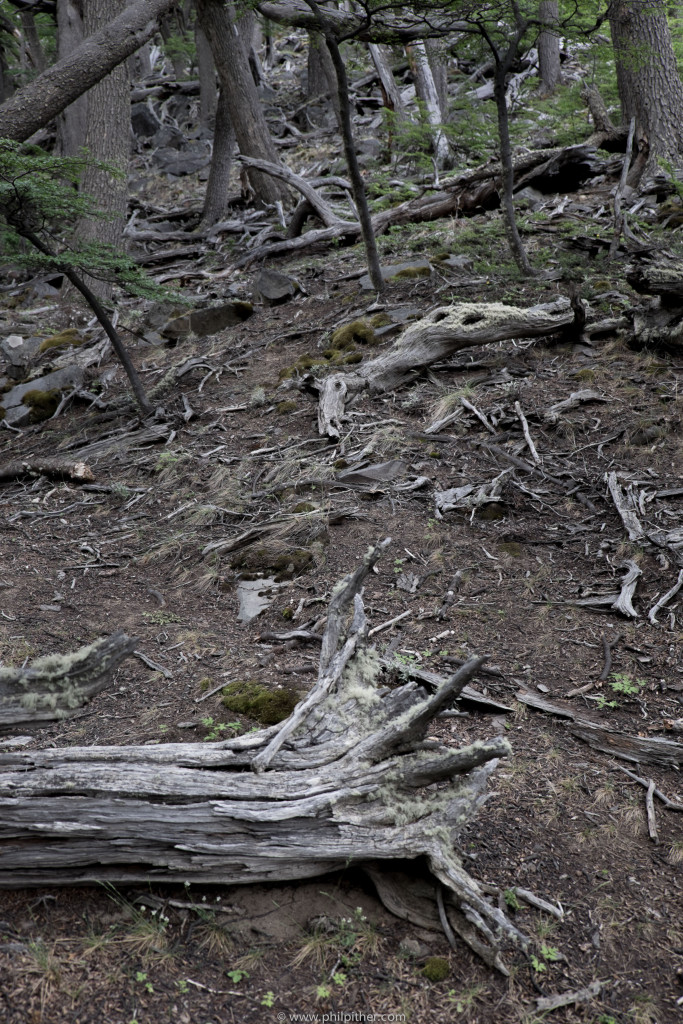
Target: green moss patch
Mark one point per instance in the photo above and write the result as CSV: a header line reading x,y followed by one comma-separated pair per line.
x,y
284,407
358,332
70,337
42,404
255,701
411,272
436,969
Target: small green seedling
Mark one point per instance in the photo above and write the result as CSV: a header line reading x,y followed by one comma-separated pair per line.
x,y
237,976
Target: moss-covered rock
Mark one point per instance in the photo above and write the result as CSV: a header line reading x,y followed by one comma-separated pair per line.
x,y
353,357
70,337
358,332
42,404
256,701
436,969
412,272
285,407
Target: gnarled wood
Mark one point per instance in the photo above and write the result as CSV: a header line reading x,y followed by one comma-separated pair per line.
x,y
344,782
55,687
436,336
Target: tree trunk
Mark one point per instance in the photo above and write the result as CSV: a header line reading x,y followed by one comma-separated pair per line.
x,y
72,122
549,46
650,87
35,50
390,91
217,187
237,83
357,184
438,62
322,81
508,175
107,139
208,92
49,94
55,688
426,90
347,777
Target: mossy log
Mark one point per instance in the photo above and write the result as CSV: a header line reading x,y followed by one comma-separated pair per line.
x,y
434,337
349,777
56,686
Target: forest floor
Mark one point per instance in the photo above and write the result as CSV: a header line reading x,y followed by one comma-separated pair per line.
x,y
564,822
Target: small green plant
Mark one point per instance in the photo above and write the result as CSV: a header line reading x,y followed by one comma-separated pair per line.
x,y
268,999
549,954
510,897
339,978
323,992
236,976
182,986
218,728
141,978
537,964
601,703
622,682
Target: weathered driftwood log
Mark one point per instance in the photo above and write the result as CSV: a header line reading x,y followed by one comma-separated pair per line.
x,y
55,687
349,777
435,337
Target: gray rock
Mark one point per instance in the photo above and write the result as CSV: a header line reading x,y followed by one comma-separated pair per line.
x,y
274,288
68,377
414,269
144,121
414,948
170,161
168,137
369,147
530,197
207,321
456,262
19,353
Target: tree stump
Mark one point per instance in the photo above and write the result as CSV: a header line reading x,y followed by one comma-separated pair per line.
x,y
349,777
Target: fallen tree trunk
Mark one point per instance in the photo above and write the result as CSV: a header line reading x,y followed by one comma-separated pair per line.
x,y
435,337
477,189
55,687
342,780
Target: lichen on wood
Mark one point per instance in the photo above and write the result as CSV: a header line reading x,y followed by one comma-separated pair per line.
x,y
349,777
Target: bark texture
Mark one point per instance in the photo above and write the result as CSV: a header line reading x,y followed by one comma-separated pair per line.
x,y
549,46
37,104
72,122
107,139
649,84
341,780
232,63
217,187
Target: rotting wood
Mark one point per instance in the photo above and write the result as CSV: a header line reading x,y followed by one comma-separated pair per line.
x,y
57,686
474,189
623,745
435,337
669,804
340,781
545,1004
650,811
664,599
52,469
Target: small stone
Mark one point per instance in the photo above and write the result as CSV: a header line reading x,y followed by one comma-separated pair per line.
x,y
414,948
413,269
186,725
274,288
